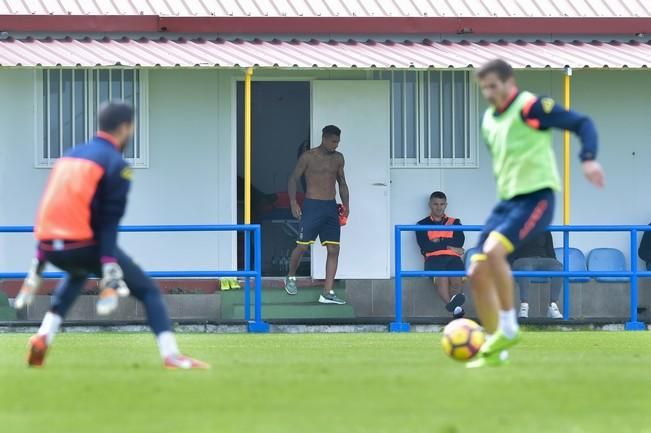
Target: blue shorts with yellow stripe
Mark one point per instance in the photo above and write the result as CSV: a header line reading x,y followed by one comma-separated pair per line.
x,y
320,218
513,221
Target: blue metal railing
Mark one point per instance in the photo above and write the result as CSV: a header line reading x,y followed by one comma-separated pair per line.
x,y
257,324
632,325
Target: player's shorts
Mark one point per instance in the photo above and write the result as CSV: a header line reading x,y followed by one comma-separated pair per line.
x,y
513,221
444,263
320,218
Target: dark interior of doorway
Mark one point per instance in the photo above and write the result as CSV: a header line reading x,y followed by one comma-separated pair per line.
x,y
280,132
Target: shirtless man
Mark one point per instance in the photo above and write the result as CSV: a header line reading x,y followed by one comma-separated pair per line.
x,y
322,168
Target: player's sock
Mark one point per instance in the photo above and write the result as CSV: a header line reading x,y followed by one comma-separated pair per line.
x,y
508,323
167,344
50,326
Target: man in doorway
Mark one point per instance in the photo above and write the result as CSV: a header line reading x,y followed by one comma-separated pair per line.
x,y
323,167
442,251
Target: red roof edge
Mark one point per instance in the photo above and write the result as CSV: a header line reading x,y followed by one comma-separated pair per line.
x,y
79,23
324,25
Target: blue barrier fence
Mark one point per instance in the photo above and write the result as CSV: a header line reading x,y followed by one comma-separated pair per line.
x,y
399,325
256,325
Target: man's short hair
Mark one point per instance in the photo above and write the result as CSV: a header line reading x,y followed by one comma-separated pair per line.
x,y
438,194
501,68
331,130
113,114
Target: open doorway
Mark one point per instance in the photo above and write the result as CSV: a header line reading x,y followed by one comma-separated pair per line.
x,y
280,132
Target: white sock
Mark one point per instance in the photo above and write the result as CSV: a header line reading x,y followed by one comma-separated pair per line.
x,y
167,344
50,326
508,323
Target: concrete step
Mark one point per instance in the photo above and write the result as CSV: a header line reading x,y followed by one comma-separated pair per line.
x,y
297,311
7,313
277,296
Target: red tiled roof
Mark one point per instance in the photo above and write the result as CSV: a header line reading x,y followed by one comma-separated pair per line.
x,y
333,8
314,54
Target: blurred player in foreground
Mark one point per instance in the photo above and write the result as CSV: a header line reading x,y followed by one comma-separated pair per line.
x,y
517,129
77,229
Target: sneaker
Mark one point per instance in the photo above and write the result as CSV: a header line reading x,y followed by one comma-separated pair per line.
x,y
290,285
180,362
498,342
107,302
458,313
331,298
553,312
37,350
457,301
496,360
524,310
234,284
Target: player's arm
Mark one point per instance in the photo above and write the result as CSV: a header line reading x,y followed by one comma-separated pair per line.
x,y
543,113
426,245
344,193
113,202
299,171
113,192
458,238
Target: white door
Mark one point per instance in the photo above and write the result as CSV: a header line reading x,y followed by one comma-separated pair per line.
x,y
361,110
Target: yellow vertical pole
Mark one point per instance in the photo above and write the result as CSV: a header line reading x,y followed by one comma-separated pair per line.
x,y
566,150
247,146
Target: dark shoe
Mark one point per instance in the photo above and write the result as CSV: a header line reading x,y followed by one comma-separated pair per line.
x,y
457,301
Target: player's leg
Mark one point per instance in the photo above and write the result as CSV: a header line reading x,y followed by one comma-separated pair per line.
x,y
146,291
526,216
307,234
481,276
329,230
64,297
484,293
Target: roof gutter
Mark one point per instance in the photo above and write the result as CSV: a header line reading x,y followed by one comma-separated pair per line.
x,y
323,25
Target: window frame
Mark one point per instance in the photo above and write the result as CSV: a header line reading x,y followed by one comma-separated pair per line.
x,y
471,120
141,108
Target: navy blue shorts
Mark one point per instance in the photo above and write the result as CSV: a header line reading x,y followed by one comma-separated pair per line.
x,y
513,221
320,218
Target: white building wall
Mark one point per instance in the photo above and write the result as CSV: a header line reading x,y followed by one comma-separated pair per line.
x,y
192,165
618,101
189,179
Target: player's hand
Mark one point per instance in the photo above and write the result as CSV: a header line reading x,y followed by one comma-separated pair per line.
x,y
30,286
346,212
594,173
459,251
296,210
113,278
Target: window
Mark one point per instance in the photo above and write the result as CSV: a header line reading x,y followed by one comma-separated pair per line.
x,y
433,118
70,102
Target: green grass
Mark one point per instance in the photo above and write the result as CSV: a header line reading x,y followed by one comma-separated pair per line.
x,y
348,383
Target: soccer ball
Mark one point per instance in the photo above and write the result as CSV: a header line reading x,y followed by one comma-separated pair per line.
x,y
462,339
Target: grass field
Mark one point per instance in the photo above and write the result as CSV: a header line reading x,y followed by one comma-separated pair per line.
x,y
348,383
